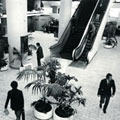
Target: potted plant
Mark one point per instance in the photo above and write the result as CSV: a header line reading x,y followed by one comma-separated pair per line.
x,y
42,107
64,91
17,62
51,65
71,95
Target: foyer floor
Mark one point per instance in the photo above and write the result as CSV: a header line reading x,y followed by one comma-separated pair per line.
x,y
106,60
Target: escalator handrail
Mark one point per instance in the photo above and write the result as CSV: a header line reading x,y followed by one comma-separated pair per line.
x,y
65,31
83,41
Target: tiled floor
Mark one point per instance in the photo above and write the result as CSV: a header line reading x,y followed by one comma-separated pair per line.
x,y
106,60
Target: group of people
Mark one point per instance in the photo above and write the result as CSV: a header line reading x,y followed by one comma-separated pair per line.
x,y
106,90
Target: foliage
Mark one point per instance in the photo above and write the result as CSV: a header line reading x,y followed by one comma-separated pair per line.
x,y
62,78
51,64
2,63
39,77
22,56
64,91
19,56
68,92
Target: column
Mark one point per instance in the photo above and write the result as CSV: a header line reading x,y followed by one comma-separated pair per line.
x,y
16,21
65,15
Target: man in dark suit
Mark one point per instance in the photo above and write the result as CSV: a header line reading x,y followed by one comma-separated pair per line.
x,y
39,54
106,90
16,99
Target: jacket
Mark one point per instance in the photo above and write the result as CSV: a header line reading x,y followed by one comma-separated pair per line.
x,y
16,99
40,52
105,88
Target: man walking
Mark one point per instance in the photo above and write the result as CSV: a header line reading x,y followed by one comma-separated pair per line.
x,y
106,90
16,99
39,54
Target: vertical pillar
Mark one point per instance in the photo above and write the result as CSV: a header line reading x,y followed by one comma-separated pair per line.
x,y
65,15
16,21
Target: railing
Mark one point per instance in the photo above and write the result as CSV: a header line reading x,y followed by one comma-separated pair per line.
x,y
77,52
58,46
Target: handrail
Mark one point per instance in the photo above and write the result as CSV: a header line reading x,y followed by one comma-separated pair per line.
x,y
83,40
66,32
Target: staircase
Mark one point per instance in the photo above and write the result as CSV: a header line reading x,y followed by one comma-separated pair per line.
x,y
84,13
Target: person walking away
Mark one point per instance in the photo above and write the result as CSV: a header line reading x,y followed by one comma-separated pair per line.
x,y
106,90
15,96
39,54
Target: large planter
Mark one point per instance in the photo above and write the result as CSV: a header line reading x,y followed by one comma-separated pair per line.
x,y
42,114
58,116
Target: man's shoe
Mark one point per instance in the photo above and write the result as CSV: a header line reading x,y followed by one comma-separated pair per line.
x,y
100,105
104,111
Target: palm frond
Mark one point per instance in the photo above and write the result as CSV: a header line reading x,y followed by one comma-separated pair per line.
x,y
36,86
27,73
18,55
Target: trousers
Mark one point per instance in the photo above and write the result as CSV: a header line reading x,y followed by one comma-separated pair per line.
x,y
20,113
38,61
104,100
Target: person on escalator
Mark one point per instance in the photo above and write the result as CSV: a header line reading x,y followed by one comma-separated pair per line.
x,y
91,31
73,24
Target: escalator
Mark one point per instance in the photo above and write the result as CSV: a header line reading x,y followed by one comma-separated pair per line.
x,y
76,45
81,52
85,11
